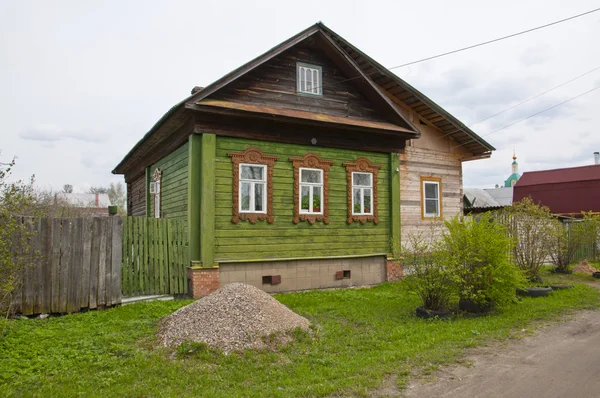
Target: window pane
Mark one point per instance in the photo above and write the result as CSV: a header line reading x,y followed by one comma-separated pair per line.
x,y
309,86
316,199
315,81
253,173
302,80
363,179
312,176
431,206
356,200
259,190
245,196
305,198
367,200
431,191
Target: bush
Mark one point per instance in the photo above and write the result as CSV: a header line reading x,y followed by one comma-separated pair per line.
x,y
533,229
428,276
570,237
476,252
15,252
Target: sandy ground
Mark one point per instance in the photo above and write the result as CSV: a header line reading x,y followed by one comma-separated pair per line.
x,y
560,360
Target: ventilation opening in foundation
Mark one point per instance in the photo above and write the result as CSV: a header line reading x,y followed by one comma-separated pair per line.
x,y
271,279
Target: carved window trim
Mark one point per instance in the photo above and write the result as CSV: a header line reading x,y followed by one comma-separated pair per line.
x,y
362,165
252,156
311,161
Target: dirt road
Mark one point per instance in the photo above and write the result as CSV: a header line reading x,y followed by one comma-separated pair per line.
x,y
562,360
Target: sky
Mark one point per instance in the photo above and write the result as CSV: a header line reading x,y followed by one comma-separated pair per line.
x,y
82,81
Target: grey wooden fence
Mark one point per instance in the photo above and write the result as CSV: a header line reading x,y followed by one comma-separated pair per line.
x,y
77,265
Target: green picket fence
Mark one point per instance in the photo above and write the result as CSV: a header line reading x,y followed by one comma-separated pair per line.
x,y
155,256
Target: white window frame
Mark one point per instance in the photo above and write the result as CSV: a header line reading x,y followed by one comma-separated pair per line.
x,y
156,199
362,194
316,73
311,186
438,213
252,190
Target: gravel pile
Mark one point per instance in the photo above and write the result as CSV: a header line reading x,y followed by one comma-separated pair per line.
x,y
585,268
233,318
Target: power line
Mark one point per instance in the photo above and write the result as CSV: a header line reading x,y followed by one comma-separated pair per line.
x,y
530,116
527,100
534,97
472,46
495,40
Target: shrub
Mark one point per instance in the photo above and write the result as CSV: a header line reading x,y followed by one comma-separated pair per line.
x,y
533,229
15,253
428,276
477,253
570,237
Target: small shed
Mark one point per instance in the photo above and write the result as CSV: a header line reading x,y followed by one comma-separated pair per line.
x,y
567,191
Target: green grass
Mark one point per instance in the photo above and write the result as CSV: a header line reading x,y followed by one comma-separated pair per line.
x,y
363,337
549,277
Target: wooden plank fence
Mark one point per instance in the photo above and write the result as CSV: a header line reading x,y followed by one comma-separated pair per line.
x,y
76,265
155,256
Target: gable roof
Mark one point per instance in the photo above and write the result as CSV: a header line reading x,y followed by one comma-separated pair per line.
x,y
379,84
558,176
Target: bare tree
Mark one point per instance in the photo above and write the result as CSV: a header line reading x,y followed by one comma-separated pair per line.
x,y
68,188
98,190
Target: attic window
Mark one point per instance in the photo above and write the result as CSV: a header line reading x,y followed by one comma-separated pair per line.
x,y
309,79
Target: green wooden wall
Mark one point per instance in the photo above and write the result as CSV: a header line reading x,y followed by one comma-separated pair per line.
x,y
283,238
174,185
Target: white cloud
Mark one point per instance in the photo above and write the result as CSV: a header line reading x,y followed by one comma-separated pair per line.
x,y
50,132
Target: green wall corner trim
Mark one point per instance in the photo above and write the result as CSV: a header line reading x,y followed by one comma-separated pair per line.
x,y
394,198
194,192
207,198
149,211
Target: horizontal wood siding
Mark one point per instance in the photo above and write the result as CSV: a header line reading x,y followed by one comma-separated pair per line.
x,y
136,196
274,84
416,163
174,184
283,238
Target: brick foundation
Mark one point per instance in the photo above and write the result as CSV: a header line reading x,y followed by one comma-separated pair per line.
x,y
202,281
394,269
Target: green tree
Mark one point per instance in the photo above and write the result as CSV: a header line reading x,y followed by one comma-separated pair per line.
x,y
116,195
68,188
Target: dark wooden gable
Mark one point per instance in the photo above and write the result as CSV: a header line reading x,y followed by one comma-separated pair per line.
x,y
273,84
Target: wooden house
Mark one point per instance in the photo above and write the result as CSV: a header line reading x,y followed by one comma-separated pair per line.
x,y
298,169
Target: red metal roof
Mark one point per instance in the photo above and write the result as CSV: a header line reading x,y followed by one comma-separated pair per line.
x,y
556,176
565,191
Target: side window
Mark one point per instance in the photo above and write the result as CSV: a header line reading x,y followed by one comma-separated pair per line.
x,y
309,79
311,190
252,186
431,198
362,191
